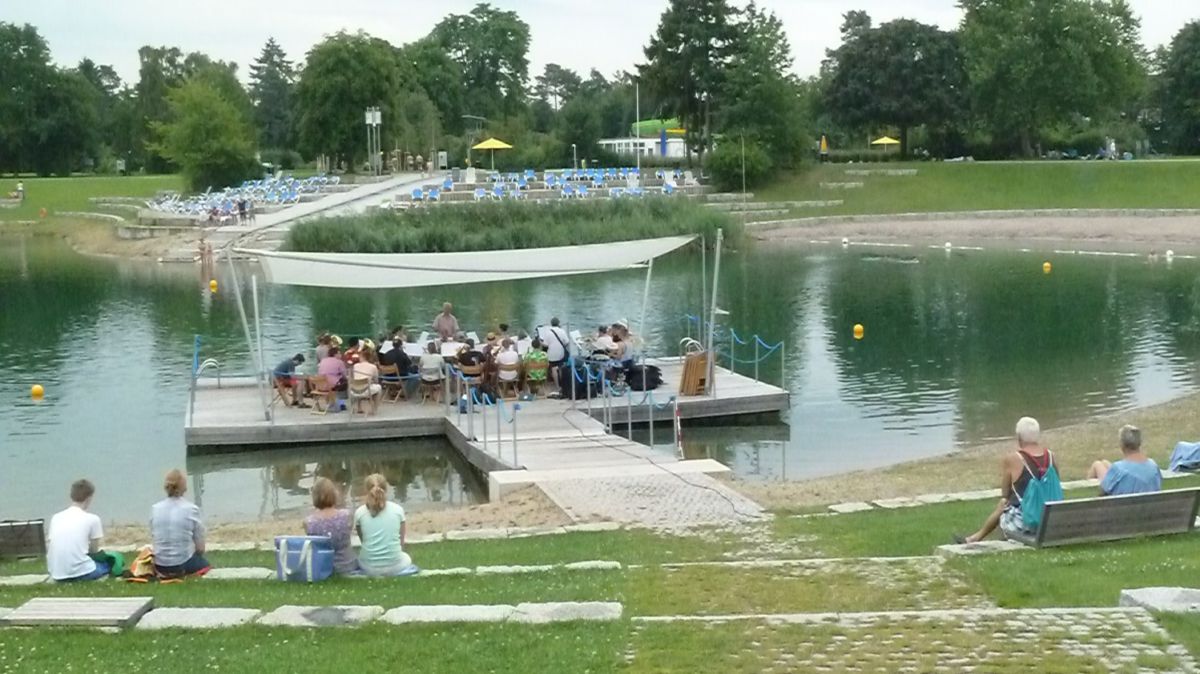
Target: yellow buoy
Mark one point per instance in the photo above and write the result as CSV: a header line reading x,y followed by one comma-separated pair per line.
x,y
858,331
37,391
1046,267
212,285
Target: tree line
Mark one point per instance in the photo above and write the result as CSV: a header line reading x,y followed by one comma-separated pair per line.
x,y
1016,77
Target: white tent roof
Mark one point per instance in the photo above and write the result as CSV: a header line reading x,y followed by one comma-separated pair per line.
x,y
411,270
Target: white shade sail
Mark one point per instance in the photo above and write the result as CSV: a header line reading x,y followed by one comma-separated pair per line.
x,y
412,270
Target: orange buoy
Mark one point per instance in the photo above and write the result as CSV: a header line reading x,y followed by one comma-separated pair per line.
x,y
37,391
212,286
858,331
42,213
1047,267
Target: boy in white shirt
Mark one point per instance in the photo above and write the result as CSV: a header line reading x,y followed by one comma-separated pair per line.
x,y
74,537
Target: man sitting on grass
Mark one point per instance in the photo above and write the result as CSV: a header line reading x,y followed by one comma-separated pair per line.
x,y
1017,469
73,544
1134,474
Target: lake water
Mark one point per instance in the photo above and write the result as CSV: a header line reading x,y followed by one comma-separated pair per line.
x,y
957,347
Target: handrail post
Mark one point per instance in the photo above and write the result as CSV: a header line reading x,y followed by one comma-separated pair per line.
x,y
756,340
629,411
732,353
483,422
651,408
782,367
458,400
516,408
470,410
499,441
676,429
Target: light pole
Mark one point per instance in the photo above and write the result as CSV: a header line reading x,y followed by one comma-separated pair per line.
x,y
574,158
374,119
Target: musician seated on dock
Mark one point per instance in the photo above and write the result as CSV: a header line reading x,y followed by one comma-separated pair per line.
x,y
290,387
333,368
467,356
1134,474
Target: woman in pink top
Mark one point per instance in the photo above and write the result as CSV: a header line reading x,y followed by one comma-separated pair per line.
x,y
333,369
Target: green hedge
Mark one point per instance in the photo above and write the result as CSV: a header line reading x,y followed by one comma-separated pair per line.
x,y
508,225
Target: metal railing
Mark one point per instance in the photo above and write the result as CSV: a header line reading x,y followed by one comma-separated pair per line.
x,y
609,410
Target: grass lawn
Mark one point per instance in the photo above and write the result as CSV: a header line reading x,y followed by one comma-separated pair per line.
x,y
940,186
72,194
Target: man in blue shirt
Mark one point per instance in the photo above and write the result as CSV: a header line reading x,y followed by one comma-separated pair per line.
x,y
1134,474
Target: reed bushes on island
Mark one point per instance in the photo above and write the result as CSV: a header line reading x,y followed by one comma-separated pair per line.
x,y
509,225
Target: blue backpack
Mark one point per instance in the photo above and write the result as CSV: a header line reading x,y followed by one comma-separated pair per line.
x,y
303,559
1038,492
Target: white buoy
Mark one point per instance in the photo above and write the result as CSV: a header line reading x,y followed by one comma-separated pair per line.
x,y
845,242
1170,254
948,245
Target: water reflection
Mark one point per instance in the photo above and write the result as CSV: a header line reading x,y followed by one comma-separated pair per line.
x,y
957,348
276,483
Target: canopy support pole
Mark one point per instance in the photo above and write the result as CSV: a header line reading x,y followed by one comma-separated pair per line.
x,y
703,285
712,319
258,366
645,300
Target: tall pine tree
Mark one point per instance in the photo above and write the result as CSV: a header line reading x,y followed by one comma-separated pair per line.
x,y
272,83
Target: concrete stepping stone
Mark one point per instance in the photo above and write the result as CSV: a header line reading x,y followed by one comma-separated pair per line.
x,y
593,565
852,507
527,532
980,548
321,616
1168,599
241,573
419,540
476,534
243,546
456,571
893,503
593,527
488,613
196,618
27,579
490,570
566,611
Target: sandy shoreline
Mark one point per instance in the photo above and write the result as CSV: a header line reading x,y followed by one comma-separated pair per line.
x,y
1109,232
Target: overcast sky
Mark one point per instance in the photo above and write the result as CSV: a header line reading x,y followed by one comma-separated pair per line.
x,y
580,34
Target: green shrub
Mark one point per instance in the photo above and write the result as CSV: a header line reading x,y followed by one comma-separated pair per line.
x,y
725,165
287,160
509,225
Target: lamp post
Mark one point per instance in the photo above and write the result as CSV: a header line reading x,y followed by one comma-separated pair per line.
x,y
574,158
374,119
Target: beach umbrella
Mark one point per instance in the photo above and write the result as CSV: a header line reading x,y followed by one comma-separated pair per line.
x,y
493,144
885,141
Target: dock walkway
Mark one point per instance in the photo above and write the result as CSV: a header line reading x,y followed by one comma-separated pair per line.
x,y
562,447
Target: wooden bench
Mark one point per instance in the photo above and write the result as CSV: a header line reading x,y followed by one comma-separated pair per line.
x,y
22,538
79,612
1111,518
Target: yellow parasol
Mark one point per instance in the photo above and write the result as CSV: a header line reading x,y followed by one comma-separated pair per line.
x,y
885,141
492,144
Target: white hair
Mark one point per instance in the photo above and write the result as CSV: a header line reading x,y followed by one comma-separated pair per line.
x,y
1028,431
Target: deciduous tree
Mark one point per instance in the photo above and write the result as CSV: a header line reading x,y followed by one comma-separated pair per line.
x,y
491,48
208,137
1180,90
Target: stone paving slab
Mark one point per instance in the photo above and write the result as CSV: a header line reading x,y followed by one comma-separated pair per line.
x,y
532,568
24,580
196,618
476,534
593,565
456,571
552,612
449,614
661,501
593,527
980,548
851,507
321,616
900,502
241,573
1169,599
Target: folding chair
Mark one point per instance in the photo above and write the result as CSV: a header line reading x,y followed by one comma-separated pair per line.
x,y
322,394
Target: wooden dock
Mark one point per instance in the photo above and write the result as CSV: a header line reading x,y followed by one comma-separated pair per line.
x,y
550,439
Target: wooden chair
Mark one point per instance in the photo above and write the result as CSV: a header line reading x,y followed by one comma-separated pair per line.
x,y
513,384
359,391
393,385
322,394
431,389
535,385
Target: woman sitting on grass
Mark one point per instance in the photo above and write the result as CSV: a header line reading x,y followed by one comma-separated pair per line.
x,y
177,532
381,528
329,520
